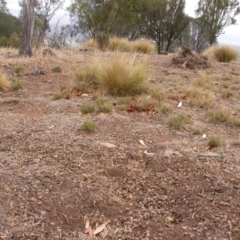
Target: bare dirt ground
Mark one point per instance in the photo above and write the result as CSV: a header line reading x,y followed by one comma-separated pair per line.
x,y
54,177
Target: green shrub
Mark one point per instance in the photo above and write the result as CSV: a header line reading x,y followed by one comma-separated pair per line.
x,y
89,126
102,40
225,54
14,41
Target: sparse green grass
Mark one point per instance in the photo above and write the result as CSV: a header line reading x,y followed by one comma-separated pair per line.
x,y
4,83
225,54
57,69
104,105
196,131
18,69
57,96
177,122
223,115
88,126
123,76
143,46
215,141
144,102
87,107
123,100
15,84
199,97
226,93
158,94
203,81
164,109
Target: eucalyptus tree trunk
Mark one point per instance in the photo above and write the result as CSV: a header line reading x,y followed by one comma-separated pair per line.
x,y
28,26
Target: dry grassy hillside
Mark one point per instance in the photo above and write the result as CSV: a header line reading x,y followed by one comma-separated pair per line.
x,y
148,143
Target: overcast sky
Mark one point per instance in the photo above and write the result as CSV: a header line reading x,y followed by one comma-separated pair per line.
x,y
231,34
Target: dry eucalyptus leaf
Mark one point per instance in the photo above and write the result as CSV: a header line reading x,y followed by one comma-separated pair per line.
x,y
101,228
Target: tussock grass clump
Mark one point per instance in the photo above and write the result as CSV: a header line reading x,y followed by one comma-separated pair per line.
x,y
86,77
223,115
199,97
4,83
177,122
90,43
226,93
158,94
104,105
215,141
123,75
120,44
143,46
203,81
144,102
164,109
88,126
57,69
210,50
87,108
15,85
225,54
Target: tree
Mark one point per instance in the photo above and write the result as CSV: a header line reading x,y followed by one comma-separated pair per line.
x,y
164,21
193,36
215,15
114,17
3,7
28,26
45,10
9,24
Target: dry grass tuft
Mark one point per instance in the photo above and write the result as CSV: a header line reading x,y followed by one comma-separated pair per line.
x,y
216,141
90,43
177,122
120,44
104,105
4,83
123,75
225,54
199,97
86,76
88,126
223,115
203,81
87,108
143,46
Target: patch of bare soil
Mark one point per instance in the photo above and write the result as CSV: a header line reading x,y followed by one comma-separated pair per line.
x,y
187,59
54,177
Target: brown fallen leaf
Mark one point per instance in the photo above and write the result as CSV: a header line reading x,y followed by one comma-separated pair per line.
x,y
100,228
